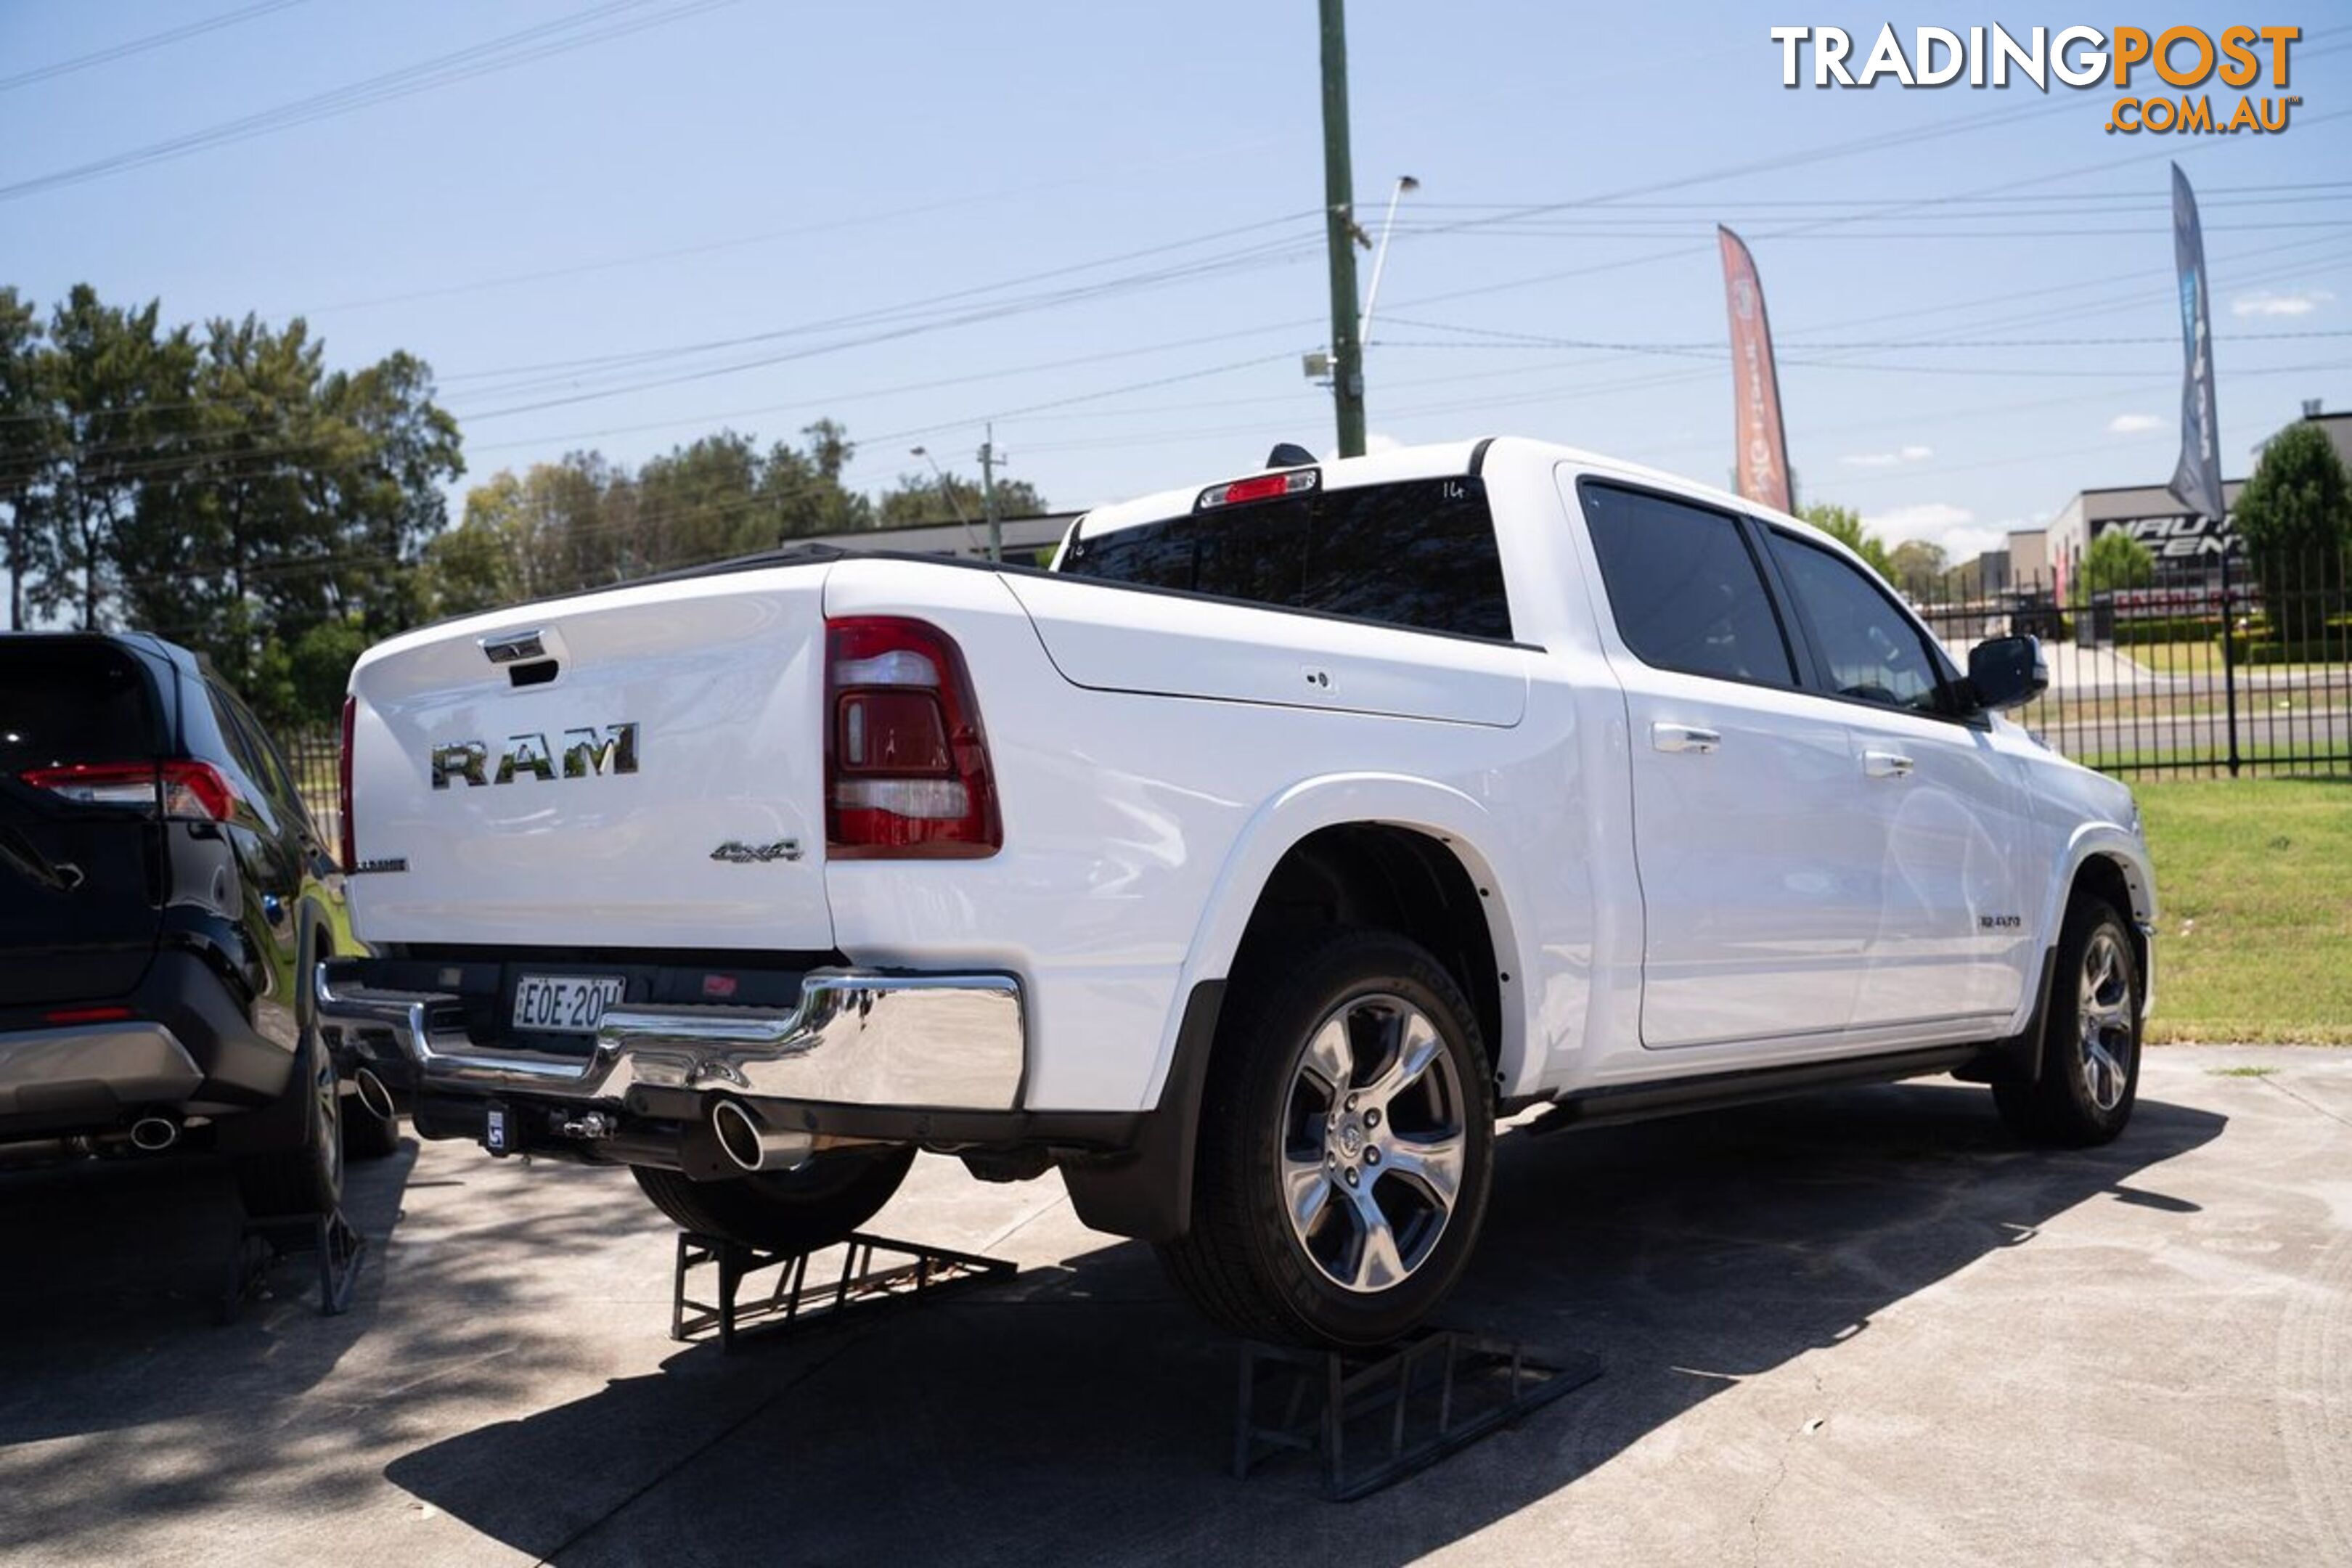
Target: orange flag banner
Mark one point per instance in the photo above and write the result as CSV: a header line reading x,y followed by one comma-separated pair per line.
x,y
1762,447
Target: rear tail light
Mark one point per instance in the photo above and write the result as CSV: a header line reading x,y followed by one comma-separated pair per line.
x,y
906,764
1259,486
180,790
86,1014
346,837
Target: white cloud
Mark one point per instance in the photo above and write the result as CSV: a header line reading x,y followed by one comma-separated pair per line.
x,y
2268,302
1923,520
2133,423
1937,522
1894,459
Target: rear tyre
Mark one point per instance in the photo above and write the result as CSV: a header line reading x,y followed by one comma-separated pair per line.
x,y
2089,1078
305,1177
783,1211
1345,1147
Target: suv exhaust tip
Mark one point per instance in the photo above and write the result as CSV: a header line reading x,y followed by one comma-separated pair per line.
x,y
373,1094
155,1133
754,1146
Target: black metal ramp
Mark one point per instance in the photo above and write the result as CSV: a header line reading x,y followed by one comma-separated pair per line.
x,y
1407,1407
862,1274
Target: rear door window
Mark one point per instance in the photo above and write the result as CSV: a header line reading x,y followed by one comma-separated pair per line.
x,y
1419,554
1685,588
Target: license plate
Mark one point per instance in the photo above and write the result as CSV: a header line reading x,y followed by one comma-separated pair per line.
x,y
564,1004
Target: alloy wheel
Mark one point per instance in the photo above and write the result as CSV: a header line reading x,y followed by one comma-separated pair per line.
x,y
2104,1015
1374,1142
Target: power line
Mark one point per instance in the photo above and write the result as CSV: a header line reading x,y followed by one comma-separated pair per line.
x,y
140,46
504,53
905,310
976,198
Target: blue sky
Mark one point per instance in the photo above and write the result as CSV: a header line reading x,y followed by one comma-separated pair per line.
x,y
1097,225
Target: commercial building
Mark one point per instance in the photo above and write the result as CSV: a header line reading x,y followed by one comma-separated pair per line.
x,y
2188,550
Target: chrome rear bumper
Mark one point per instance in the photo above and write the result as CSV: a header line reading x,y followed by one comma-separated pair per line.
x,y
941,1041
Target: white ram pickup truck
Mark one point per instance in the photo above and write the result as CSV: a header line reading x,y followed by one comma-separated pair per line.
x,y
1246,865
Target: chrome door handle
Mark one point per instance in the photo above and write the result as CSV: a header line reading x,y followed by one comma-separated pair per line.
x,y
1887,765
1668,737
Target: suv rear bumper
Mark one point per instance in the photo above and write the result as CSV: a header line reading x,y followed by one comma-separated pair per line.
x,y
856,1037
100,1069
187,1049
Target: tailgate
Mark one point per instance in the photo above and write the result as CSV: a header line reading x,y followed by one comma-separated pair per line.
x,y
638,769
80,890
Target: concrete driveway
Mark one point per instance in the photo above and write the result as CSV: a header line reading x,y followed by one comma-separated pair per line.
x,y
1859,1328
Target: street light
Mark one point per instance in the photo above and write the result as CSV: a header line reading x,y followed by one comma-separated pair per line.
x,y
1381,256
948,491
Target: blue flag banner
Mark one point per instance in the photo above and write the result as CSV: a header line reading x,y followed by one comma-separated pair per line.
x,y
2197,481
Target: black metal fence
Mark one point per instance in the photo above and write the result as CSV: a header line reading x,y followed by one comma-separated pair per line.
x,y
2227,672
313,756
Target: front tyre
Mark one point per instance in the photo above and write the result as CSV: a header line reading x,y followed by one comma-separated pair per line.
x,y
2091,1039
794,1211
1345,1147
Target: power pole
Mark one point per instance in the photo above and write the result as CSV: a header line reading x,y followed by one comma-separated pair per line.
x,y
988,461
1340,200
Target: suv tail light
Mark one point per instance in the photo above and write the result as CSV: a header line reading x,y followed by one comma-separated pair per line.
x,y
346,838
905,765
186,791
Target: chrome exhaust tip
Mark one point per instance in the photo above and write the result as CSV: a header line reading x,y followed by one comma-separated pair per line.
x,y
752,1144
373,1095
155,1133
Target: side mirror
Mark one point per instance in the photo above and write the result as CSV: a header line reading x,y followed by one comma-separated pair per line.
x,y
2005,672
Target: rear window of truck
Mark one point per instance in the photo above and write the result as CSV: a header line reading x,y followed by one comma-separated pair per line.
x,y
1419,554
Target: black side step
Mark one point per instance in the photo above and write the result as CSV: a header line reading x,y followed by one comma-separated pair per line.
x,y
1713,1092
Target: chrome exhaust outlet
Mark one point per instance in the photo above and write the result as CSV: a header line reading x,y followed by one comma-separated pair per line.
x,y
155,1133
753,1145
373,1095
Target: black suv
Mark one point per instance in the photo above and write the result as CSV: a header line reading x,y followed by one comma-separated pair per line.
x,y
163,895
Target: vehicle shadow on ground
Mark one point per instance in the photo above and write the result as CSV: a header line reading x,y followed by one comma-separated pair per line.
x,y
111,1306
1081,1412
127,1408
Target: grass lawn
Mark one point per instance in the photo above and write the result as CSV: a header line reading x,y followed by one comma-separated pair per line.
x,y
2253,877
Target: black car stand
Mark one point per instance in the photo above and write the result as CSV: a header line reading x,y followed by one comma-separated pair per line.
x,y
1411,1405
262,1244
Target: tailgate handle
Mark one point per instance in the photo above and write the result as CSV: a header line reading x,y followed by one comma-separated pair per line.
x,y
536,674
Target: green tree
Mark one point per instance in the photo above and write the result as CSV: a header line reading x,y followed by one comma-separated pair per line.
x,y
470,567
1844,525
2115,560
1915,566
918,498
123,399
234,505
801,492
223,487
2295,516
28,443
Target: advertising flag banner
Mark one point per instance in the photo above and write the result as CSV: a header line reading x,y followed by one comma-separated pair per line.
x,y
2196,482
1762,448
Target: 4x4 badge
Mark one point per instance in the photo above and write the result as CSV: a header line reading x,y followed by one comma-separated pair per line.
x,y
741,854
